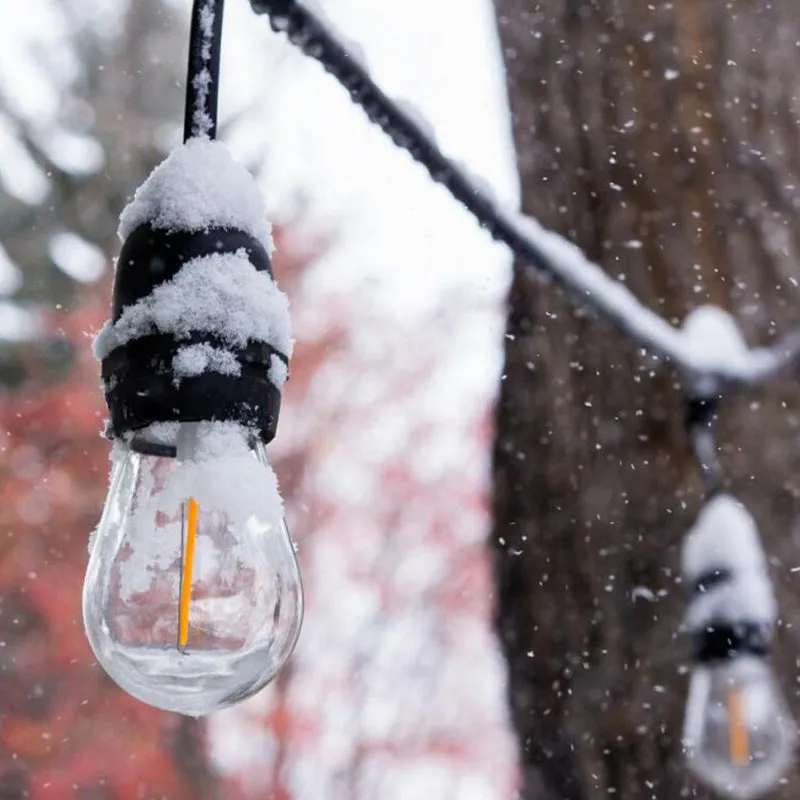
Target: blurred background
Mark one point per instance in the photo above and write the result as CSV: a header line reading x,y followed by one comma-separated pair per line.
x,y
438,400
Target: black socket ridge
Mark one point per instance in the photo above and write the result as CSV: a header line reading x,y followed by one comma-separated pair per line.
x,y
720,641
138,376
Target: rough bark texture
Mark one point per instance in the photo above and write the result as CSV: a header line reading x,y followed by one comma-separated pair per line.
x,y
663,139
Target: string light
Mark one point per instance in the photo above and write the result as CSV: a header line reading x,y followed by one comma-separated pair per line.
x,y
739,734
192,599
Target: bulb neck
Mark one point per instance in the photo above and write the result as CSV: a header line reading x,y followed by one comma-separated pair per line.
x,y
722,641
185,441
138,376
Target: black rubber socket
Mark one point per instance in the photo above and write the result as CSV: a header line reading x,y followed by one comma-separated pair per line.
x,y
151,257
700,411
272,6
140,386
724,640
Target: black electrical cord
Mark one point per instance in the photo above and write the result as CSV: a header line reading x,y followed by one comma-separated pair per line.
x,y
315,39
700,416
310,34
202,78
648,330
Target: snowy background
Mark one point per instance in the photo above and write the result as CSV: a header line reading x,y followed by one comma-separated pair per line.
x,y
396,689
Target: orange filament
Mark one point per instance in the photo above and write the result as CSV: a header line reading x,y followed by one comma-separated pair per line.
x,y
739,741
186,577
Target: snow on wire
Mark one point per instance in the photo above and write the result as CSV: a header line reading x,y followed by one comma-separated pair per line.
x,y
708,350
706,370
204,61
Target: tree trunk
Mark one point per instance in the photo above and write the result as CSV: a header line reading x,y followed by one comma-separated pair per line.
x,y
661,138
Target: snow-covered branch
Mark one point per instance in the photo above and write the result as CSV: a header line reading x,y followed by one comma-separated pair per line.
x,y
707,364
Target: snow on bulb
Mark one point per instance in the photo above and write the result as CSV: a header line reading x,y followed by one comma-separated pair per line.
x,y
739,735
193,599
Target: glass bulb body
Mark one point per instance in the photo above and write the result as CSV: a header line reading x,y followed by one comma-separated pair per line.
x,y
739,735
193,599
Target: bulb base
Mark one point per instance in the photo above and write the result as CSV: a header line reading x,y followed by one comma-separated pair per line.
x,y
272,6
721,641
140,384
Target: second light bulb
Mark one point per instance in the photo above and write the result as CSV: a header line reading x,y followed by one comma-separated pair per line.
x,y
739,734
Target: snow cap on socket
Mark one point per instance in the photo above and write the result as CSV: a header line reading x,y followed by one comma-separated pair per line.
x,y
732,607
199,330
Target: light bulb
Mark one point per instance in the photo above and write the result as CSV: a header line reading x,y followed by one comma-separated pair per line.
x,y
192,599
739,734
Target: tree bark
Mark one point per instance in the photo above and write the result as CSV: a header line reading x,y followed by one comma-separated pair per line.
x,y
661,138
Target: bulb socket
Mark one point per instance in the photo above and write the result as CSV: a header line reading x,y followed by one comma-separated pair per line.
x,y
138,378
700,410
272,6
721,641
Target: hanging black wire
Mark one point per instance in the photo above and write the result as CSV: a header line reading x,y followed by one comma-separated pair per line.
x,y
202,78
648,330
701,414
315,39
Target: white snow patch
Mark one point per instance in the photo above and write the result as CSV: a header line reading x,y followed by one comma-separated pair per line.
x,y
748,597
479,184
201,116
714,336
416,116
199,186
217,465
82,260
725,537
195,359
221,294
278,371
156,433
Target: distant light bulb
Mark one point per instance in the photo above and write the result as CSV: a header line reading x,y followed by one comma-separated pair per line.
x,y
193,599
739,734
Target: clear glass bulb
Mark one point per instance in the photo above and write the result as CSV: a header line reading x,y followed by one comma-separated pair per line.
x,y
738,733
192,599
